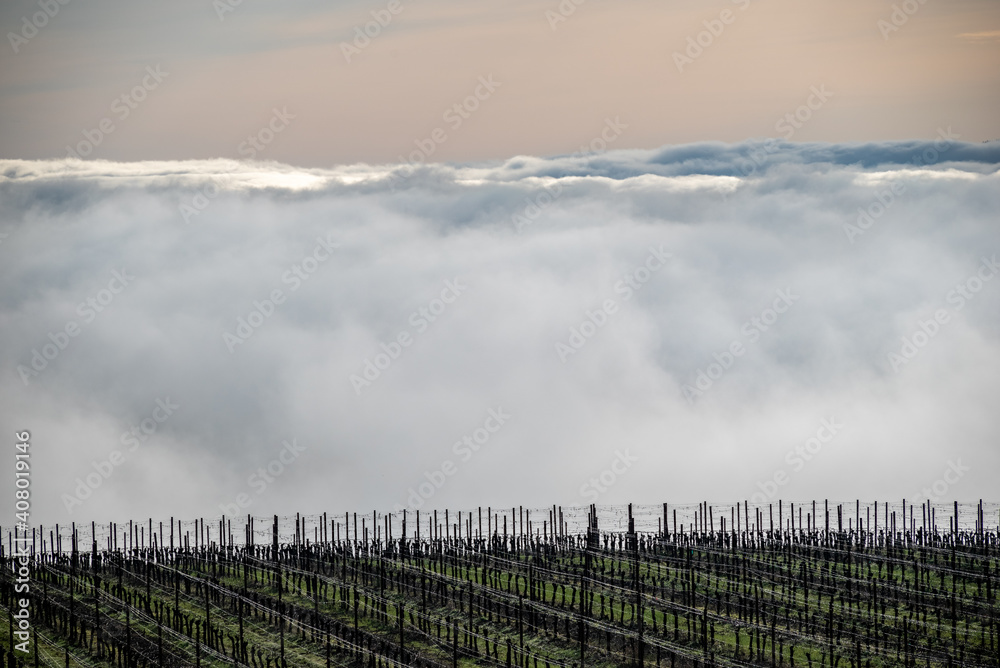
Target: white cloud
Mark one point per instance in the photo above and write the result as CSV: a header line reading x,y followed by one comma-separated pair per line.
x,y
736,237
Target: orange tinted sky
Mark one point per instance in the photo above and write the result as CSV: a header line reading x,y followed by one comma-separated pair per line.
x,y
558,82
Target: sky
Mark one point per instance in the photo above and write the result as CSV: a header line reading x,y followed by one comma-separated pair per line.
x,y
255,260
561,70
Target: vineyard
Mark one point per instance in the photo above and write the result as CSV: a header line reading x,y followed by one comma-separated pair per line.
x,y
779,585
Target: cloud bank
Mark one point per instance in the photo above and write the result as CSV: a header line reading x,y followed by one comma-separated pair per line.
x,y
700,321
